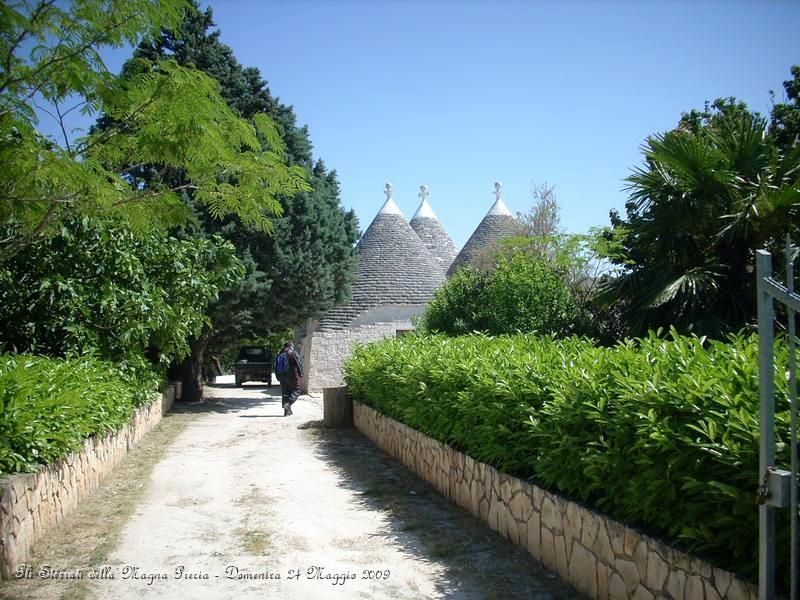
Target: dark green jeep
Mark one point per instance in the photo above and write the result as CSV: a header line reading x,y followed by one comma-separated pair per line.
x,y
253,363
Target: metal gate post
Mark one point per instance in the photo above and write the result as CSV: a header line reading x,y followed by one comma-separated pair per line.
x,y
766,513
793,426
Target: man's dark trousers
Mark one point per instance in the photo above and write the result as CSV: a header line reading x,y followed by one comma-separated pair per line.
x,y
289,393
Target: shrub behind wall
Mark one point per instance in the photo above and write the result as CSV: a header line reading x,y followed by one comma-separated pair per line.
x,y
49,406
660,434
523,293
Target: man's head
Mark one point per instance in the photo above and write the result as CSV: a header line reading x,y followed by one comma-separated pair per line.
x,y
288,346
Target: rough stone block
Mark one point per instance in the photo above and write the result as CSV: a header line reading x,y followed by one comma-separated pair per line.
x,y
39,478
722,581
631,539
642,593
19,485
656,572
464,495
538,497
583,570
629,573
25,535
694,588
573,524
520,506
456,463
483,509
566,524
738,590
12,529
640,555
491,517
590,529
548,549
46,515
526,502
534,542
602,543
469,467
478,472
711,591
476,494
505,488
505,522
680,560
493,483
562,563
603,580
616,588
551,518
512,529
701,567
5,499
616,535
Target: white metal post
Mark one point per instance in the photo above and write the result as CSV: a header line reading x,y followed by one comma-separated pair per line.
x,y
766,514
793,428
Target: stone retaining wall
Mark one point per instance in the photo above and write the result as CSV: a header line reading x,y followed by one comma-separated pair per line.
x,y
32,503
599,556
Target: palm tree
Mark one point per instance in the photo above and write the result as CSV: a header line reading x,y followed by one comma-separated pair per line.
x,y
710,193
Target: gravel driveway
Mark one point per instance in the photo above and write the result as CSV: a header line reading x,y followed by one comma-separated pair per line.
x,y
248,504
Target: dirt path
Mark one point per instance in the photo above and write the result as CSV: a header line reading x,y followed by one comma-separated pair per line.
x,y
253,505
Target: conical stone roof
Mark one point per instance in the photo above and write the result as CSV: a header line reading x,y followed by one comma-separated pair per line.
x,y
496,225
394,267
433,235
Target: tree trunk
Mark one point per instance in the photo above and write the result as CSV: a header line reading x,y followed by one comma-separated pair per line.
x,y
192,368
217,366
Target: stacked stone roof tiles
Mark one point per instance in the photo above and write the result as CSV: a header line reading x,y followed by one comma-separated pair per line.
x,y
497,224
434,236
394,267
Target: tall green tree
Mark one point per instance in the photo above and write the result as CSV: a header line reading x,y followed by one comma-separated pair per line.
x,y
162,114
305,265
708,195
785,125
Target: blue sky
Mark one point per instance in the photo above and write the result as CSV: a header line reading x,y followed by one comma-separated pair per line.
x,y
457,95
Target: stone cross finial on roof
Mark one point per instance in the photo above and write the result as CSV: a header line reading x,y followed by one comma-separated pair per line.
x,y
389,191
423,192
498,190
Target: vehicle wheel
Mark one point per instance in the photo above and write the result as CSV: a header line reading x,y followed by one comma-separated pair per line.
x,y
238,382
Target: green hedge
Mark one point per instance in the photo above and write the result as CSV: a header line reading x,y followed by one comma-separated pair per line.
x,y
49,406
659,434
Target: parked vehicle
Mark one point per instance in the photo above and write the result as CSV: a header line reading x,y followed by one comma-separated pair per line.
x,y
253,363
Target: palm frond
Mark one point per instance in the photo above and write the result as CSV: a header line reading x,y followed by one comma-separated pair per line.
x,y
693,284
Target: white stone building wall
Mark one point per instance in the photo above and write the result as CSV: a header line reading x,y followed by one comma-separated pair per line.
x,y
324,352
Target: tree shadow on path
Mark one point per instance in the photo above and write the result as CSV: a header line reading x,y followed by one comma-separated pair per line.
x,y
476,561
268,396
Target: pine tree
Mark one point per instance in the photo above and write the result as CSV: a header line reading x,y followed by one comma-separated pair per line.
x,y
305,266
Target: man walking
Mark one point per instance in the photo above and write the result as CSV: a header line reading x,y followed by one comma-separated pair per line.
x,y
288,370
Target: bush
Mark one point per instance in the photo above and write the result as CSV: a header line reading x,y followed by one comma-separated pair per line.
x,y
49,406
661,434
97,287
523,293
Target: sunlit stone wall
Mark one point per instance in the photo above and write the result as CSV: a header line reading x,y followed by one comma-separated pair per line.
x,y
599,556
32,503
